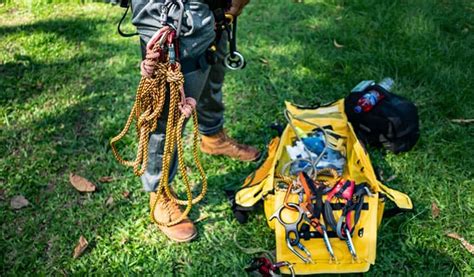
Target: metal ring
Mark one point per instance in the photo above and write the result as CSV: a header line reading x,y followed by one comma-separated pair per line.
x,y
277,214
232,63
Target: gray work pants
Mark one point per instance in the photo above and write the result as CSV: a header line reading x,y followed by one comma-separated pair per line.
x,y
203,84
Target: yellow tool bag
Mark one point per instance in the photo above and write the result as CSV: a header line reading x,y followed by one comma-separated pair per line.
x,y
325,218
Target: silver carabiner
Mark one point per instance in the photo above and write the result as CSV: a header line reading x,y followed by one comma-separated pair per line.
x,y
234,61
298,254
180,17
328,244
292,228
350,244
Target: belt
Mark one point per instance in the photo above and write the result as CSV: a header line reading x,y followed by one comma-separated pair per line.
x,y
217,4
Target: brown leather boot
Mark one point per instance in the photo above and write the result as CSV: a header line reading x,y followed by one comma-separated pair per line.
x,y
167,211
222,144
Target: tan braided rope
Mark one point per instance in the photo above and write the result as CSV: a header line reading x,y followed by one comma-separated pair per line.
x,y
146,111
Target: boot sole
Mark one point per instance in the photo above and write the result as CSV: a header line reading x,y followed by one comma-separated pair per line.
x,y
179,240
242,160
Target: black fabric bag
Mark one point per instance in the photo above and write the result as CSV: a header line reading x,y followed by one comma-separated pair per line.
x,y
392,123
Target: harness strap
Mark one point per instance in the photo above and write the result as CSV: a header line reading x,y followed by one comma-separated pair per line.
x,y
343,189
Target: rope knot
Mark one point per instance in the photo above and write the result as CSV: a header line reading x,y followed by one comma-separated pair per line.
x,y
174,75
149,63
187,106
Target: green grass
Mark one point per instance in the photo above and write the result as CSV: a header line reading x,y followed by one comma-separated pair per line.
x,y
67,82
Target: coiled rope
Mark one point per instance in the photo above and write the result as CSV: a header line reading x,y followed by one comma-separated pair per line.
x,y
160,70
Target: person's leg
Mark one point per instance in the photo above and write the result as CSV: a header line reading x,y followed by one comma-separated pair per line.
x,y
198,32
194,82
166,210
210,109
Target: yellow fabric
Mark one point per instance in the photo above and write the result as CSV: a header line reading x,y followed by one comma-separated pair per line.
x,y
358,168
251,192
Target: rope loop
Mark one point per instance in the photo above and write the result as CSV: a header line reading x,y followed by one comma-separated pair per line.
x,y
163,79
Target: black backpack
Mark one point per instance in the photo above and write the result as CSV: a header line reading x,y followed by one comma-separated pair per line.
x,y
392,123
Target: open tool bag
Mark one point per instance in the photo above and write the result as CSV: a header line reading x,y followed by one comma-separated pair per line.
x,y
320,194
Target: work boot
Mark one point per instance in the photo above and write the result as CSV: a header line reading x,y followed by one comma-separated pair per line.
x,y
222,144
166,211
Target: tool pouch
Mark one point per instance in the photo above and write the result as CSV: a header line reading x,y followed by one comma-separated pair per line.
x,y
263,184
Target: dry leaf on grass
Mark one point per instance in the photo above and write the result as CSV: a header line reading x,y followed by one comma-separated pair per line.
x,y
106,179
18,202
126,194
264,61
81,183
469,247
80,247
391,178
337,45
434,210
2,194
109,201
462,120
201,218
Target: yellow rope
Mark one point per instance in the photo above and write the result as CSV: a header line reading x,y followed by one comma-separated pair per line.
x,y
146,111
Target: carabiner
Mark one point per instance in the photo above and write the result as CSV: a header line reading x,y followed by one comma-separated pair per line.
x,y
350,244
328,244
292,228
298,254
180,17
283,264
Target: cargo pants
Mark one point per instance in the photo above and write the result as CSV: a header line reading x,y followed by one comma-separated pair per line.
x,y
203,82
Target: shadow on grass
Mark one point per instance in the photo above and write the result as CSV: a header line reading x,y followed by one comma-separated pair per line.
x,y
76,137
73,29
25,77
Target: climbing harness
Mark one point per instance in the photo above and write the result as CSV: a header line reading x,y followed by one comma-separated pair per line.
x,y
162,79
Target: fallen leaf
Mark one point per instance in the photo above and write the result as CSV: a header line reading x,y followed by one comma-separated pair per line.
x,y
18,202
126,194
201,218
80,247
109,201
106,179
123,241
434,210
2,194
81,183
462,120
337,45
391,178
264,61
469,247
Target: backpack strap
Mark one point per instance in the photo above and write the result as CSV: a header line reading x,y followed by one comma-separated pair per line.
x,y
401,200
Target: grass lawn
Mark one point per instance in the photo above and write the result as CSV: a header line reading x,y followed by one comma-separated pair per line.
x,y
67,83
